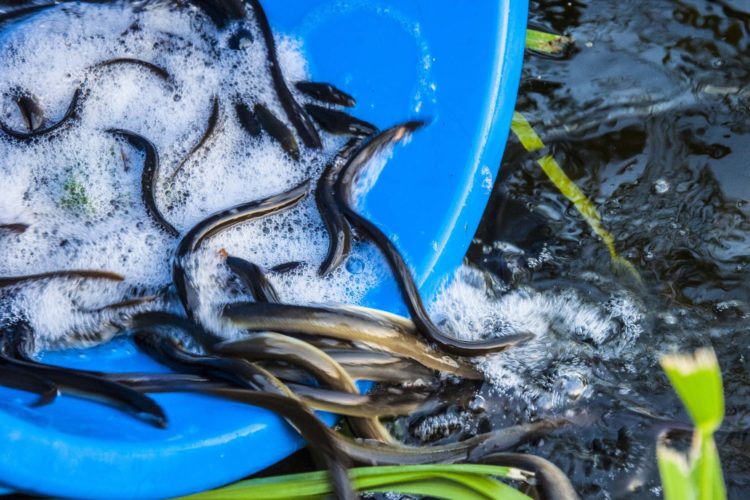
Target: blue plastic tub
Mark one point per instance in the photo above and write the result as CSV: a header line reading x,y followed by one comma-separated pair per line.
x,y
456,65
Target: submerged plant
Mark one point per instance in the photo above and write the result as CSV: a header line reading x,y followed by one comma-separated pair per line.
x,y
697,380
531,142
74,195
547,43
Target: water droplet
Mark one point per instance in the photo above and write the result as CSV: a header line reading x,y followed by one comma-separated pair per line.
x,y
717,63
661,186
478,403
669,319
589,44
573,386
355,265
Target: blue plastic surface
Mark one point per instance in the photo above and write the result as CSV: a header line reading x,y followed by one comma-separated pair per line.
x,y
457,65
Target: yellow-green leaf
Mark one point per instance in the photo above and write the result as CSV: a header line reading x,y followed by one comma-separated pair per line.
x,y
476,478
532,143
525,133
697,379
546,43
707,475
675,474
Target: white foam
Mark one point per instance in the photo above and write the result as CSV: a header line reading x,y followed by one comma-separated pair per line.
x,y
553,370
442,425
79,189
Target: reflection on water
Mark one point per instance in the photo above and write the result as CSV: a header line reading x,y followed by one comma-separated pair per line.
x,y
650,115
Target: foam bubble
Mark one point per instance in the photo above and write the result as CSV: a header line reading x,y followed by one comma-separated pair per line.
x,y
444,424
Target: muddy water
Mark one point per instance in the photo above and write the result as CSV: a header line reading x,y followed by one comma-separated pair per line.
x,y
650,116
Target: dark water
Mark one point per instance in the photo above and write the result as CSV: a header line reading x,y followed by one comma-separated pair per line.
x,y
650,116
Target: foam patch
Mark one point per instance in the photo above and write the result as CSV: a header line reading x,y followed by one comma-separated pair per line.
x,y
553,370
78,188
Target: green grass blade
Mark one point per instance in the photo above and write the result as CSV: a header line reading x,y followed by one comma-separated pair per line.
x,y
492,488
440,488
532,143
394,479
525,133
675,474
697,380
585,207
476,477
483,487
719,490
707,473
272,488
481,469
487,487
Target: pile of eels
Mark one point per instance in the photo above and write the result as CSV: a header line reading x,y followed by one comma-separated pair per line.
x,y
293,359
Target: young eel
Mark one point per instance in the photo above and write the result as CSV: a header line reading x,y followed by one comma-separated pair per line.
x,y
213,120
70,114
340,324
294,112
148,177
275,346
396,261
339,230
220,221
325,92
337,122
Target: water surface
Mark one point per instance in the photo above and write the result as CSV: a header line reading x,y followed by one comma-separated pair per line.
x,y
650,116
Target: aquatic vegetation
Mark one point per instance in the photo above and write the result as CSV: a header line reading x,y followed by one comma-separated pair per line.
x,y
437,481
533,144
74,195
697,380
547,43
